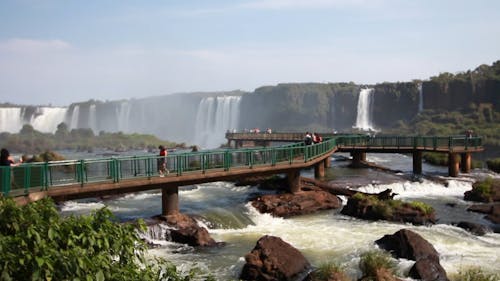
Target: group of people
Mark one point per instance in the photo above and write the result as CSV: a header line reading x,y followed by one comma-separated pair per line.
x,y
312,138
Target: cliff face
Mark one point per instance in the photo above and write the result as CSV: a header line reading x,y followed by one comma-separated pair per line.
x,y
394,102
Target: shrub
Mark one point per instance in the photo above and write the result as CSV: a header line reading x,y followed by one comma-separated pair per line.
x,y
494,164
423,207
373,261
37,244
328,270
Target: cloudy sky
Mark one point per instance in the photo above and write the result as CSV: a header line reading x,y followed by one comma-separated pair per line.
x,y
63,51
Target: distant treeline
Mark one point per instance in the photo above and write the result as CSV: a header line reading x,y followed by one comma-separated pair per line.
x,y
29,140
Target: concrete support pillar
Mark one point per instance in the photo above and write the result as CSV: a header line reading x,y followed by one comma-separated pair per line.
x,y
417,162
170,200
453,164
319,170
357,158
238,144
465,162
328,162
294,181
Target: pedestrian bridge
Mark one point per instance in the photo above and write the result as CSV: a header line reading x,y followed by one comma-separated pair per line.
x,y
73,179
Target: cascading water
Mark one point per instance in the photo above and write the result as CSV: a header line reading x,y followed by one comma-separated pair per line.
x,y
46,119
92,118
73,123
11,119
420,98
363,118
123,116
215,116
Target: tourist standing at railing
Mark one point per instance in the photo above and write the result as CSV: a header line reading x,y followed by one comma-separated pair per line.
x,y
162,161
6,159
317,138
308,139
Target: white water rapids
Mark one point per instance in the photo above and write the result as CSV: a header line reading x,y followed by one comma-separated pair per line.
x,y
326,236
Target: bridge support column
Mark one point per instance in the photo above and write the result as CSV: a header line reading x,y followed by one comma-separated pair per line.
x,y
319,170
170,200
294,181
465,162
328,162
357,158
453,165
417,162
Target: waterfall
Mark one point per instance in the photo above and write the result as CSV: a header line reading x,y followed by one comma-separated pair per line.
x,y
215,116
46,119
420,98
92,119
365,101
123,116
73,123
11,119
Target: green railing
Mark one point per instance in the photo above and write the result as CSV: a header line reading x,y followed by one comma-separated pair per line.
x,y
29,177
23,179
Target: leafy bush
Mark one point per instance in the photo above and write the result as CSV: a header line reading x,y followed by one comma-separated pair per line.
x,y
373,261
483,189
37,244
385,208
425,208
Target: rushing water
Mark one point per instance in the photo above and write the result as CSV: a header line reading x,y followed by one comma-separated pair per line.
x,y
325,236
363,118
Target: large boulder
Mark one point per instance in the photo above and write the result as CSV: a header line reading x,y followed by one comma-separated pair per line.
x,y
273,259
492,211
184,229
410,245
305,202
474,228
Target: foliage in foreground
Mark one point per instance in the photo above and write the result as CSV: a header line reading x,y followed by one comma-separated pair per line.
x,y
386,208
372,262
37,244
475,274
329,271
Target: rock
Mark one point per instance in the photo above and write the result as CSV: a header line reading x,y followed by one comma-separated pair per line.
x,y
492,211
474,228
410,245
185,230
371,210
428,270
274,259
478,194
305,202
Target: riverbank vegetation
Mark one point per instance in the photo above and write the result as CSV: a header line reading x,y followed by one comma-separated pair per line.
x,y
38,244
29,140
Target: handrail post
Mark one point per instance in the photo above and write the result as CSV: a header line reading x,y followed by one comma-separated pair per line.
x,y
227,160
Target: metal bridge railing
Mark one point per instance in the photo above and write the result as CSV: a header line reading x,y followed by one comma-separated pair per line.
x,y
29,177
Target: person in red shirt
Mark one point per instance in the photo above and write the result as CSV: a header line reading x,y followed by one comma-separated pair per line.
x,y
162,161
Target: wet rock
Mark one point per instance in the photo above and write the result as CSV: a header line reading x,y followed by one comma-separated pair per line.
x,y
273,259
410,245
474,228
186,230
368,209
305,202
491,210
480,193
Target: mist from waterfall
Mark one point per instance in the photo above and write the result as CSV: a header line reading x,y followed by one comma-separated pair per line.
x,y
11,119
365,102
46,119
215,116
73,123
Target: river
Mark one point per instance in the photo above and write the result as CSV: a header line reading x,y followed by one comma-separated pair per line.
x,y
322,237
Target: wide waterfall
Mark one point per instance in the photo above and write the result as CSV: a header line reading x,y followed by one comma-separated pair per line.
x,y
365,102
215,116
43,119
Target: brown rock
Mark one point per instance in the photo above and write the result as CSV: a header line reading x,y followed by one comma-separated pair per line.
x,y
272,259
410,245
305,202
492,211
474,228
185,230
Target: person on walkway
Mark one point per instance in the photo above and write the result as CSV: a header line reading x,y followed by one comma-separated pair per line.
x,y
308,139
162,161
6,159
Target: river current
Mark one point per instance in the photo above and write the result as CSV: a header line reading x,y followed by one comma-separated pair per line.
x,y
326,236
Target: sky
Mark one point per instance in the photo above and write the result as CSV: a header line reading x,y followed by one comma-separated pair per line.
x,y
56,52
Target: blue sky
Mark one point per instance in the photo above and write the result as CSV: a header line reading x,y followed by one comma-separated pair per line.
x,y
61,51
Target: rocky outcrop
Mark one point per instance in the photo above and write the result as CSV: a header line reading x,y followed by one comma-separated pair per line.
x,y
484,191
474,228
370,209
184,229
273,259
491,210
304,202
410,245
